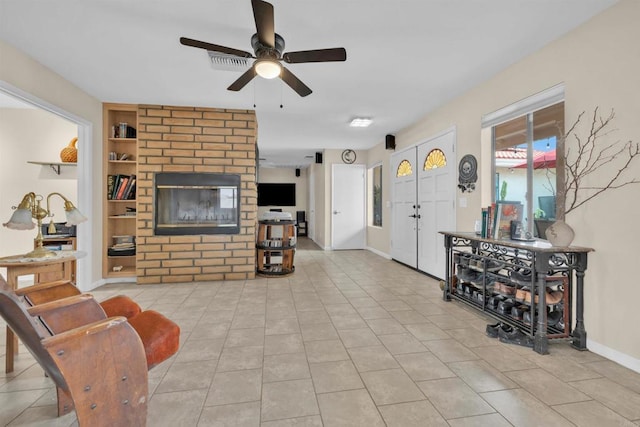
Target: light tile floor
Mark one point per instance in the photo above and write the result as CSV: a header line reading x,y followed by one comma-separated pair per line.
x,y
350,339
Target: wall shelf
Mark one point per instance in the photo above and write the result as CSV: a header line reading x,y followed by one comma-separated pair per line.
x,y
53,165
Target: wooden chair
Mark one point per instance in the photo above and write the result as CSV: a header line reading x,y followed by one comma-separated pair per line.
x,y
55,290
160,336
98,366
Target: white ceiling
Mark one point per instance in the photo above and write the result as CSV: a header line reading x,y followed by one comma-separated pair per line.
x,y
404,57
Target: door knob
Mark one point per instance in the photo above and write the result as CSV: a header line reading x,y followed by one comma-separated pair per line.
x,y
413,216
336,212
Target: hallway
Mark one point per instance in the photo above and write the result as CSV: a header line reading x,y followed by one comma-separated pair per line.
x,y
350,339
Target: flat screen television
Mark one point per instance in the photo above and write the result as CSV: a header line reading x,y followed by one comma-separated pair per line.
x,y
276,194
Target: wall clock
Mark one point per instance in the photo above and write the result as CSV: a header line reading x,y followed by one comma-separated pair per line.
x,y
348,156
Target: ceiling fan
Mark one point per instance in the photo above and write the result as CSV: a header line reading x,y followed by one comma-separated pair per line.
x,y
268,47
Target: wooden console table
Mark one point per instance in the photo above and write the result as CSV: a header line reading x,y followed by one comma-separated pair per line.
x,y
62,266
520,265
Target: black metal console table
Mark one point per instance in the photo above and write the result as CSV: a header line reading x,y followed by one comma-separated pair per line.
x,y
491,266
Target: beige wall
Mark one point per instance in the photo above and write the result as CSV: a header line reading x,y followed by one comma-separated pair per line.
x,y
286,175
319,191
599,64
19,70
32,135
379,238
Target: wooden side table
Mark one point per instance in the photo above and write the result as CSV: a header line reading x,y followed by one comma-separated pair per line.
x,y
62,266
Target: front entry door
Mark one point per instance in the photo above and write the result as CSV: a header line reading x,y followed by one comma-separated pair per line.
x,y
436,198
403,213
348,221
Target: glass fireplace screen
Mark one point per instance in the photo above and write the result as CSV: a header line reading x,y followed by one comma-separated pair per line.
x,y
199,203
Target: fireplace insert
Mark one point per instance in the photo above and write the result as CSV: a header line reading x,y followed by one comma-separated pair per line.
x,y
196,203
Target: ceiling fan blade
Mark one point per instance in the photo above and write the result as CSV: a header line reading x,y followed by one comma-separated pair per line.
x,y
319,55
263,15
214,47
242,81
295,83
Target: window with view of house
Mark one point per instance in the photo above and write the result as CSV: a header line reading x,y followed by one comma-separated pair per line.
x,y
524,160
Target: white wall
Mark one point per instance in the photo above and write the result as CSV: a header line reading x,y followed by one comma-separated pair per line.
x,y
599,64
36,135
285,175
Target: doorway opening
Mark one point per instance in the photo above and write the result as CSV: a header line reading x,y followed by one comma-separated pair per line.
x,y
84,182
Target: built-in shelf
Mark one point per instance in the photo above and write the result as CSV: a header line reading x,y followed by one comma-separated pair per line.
x,y
119,217
53,165
122,139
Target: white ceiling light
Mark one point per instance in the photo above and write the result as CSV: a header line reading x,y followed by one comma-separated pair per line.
x,y
267,68
360,122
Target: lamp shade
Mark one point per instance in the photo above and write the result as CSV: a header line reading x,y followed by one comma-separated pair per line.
x,y
268,69
74,217
20,220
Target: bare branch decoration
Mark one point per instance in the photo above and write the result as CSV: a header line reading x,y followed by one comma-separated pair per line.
x,y
610,161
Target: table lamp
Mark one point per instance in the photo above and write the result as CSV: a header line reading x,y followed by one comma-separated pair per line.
x,y
30,208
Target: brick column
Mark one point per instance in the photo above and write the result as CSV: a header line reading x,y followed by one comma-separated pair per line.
x,y
192,139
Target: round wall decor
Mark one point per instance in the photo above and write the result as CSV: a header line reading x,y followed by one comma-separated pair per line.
x,y
467,173
348,156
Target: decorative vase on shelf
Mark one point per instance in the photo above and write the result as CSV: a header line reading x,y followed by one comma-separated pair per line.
x,y
69,154
560,233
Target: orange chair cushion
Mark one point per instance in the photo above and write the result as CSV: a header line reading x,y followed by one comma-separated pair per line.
x,y
160,336
120,306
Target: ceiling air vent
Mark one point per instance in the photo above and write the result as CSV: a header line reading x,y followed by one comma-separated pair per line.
x,y
221,61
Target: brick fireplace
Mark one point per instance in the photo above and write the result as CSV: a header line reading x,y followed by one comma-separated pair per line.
x,y
195,140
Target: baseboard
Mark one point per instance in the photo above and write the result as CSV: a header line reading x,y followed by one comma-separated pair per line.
x,y
102,282
614,355
377,252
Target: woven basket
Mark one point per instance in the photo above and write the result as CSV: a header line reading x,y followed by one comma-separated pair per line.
x,y
69,154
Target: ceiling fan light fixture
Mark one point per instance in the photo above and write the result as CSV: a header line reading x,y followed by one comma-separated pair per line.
x,y
267,68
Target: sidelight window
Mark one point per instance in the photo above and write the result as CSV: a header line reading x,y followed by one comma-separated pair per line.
x,y
375,196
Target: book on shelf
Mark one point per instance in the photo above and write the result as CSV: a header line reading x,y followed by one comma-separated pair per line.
x,y
124,238
122,187
122,246
131,184
491,217
117,180
485,214
110,184
132,193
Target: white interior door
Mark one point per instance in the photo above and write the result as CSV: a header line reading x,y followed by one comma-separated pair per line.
x,y
348,221
403,207
436,198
